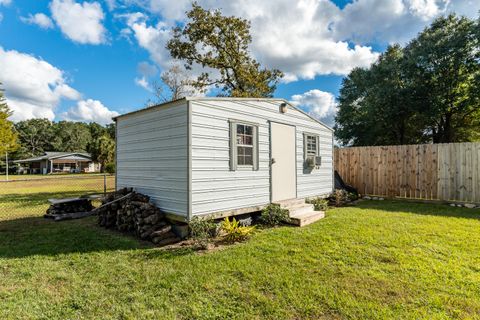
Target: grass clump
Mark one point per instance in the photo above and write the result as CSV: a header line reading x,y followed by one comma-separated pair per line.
x,y
202,231
319,204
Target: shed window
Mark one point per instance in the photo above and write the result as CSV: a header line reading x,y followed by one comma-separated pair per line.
x,y
311,150
311,145
243,145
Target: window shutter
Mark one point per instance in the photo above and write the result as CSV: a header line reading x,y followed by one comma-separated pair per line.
x,y
318,145
255,148
304,146
233,148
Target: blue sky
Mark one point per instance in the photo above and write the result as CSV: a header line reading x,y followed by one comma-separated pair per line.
x,y
90,60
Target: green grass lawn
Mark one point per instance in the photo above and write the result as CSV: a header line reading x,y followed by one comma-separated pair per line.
x,y
15,177
379,260
24,198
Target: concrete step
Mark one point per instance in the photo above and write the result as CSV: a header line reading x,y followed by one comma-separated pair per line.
x,y
300,209
306,218
290,203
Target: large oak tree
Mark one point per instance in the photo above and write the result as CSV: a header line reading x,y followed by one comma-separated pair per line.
x,y
427,91
220,45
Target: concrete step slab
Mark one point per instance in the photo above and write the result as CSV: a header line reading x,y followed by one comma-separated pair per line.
x,y
290,202
300,209
307,218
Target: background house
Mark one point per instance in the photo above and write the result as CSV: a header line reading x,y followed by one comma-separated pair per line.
x,y
57,162
223,156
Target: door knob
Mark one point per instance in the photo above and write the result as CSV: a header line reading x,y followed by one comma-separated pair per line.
x,y
273,160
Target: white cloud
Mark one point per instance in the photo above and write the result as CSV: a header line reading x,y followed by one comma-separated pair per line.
x,y
33,87
390,21
132,17
305,38
5,2
292,37
425,9
90,111
320,104
469,8
143,82
40,19
111,4
154,39
147,69
81,23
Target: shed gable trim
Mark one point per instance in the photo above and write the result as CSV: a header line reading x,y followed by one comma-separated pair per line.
x,y
187,99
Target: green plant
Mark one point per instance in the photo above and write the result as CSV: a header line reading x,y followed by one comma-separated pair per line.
x,y
319,204
110,167
234,232
202,231
274,215
352,196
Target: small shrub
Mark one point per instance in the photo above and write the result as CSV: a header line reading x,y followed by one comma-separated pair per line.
x,y
319,204
110,168
202,231
341,197
353,196
274,215
234,231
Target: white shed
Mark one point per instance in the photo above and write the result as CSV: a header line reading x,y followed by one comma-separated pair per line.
x,y
224,156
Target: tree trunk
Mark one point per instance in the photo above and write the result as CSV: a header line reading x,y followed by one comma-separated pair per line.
x,y
447,129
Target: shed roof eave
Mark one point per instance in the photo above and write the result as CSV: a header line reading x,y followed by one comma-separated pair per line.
x,y
223,98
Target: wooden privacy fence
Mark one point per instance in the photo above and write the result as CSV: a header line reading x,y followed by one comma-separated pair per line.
x,y
448,172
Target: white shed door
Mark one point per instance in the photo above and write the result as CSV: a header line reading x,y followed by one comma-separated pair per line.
x,y
283,161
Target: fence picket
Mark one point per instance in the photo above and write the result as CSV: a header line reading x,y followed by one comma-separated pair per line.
x,y
431,172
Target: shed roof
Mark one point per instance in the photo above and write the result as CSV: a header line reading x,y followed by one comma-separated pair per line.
x,y
222,98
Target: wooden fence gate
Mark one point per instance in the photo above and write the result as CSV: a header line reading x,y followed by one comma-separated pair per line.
x,y
448,172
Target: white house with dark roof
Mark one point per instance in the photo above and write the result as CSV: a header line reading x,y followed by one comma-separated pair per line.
x,y
225,156
58,162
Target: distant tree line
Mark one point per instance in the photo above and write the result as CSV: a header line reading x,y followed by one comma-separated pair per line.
x,y
427,91
8,137
35,136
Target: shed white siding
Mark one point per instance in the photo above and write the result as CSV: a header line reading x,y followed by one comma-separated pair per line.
x,y
215,188
152,155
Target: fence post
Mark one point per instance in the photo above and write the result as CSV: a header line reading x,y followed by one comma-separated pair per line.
x,y
6,162
104,184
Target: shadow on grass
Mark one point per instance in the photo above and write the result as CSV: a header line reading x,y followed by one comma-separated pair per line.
x,y
428,209
22,236
38,236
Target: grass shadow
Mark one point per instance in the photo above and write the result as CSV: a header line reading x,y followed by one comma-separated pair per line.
x,y
38,236
24,231
426,209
